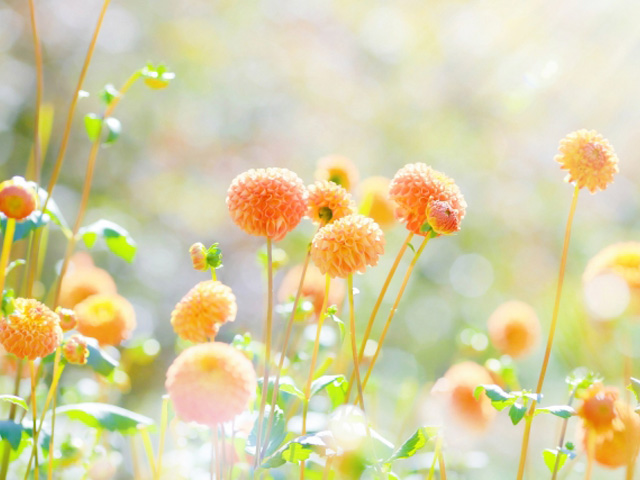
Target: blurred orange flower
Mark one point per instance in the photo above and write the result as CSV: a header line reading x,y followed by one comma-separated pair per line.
x,y
109,318
339,170
514,328
17,199
622,258
313,287
31,331
84,279
201,312
589,158
328,202
375,203
210,383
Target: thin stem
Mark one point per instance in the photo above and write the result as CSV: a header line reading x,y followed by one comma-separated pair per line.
x,y
39,88
394,308
556,308
6,446
216,449
148,450
563,432
214,454
591,445
267,346
283,354
233,446
134,457
6,251
164,417
354,351
436,455
376,307
53,427
34,451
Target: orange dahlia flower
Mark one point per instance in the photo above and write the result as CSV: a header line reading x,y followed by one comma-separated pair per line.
x,y
67,318
75,350
201,312
598,408
514,328
414,187
17,198
623,259
267,202
457,386
31,331
82,280
328,202
339,170
312,289
210,383
109,318
375,203
589,158
347,246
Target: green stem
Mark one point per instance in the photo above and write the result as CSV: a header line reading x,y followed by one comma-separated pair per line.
x,y
39,88
164,418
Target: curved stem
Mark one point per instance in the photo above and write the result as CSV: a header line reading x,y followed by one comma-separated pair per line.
x,y
6,251
394,308
39,88
554,319
148,449
354,351
563,432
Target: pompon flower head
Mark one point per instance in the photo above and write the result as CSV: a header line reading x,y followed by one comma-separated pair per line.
x,y
109,318
339,170
75,350
31,331
514,328
456,388
313,287
375,201
201,312
84,279
17,198
267,202
210,383
328,202
414,187
589,158
347,246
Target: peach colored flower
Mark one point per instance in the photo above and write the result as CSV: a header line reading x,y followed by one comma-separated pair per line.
x,y
457,386
415,186
199,257
312,289
589,158
339,170
211,383
328,202
201,312
375,203
17,198
82,280
598,408
75,350
347,246
623,259
443,219
109,318
267,202
67,318
31,331
514,328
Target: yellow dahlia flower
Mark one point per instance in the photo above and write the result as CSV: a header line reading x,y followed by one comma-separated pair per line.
x,y
328,202
109,318
339,170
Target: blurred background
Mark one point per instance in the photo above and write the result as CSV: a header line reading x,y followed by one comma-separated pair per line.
x,y
481,90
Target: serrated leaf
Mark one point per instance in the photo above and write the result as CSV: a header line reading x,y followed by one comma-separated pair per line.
x,y
117,238
114,128
517,413
14,400
11,432
109,417
562,411
93,126
99,360
499,398
417,441
550,456
276,437
634,386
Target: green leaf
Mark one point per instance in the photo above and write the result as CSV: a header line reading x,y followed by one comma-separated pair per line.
x,y
93,126
499,398
117,238
99,360
634,386
517,413
103,415
300,448
276,437
108,93
562,411
336,387
114,128
11,432
287,385
323,382
14,400
414,443
340,324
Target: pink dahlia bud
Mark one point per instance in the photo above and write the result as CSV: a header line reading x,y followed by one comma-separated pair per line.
x,y
328,202
589,158
267,202
199,256
17,198
201,312
75,350
442,219
210,383
417,185
67,318
347,246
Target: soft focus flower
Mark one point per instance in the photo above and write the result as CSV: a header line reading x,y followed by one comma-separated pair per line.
x,y
109,318
328,202
622,259
267,202
456,388
375,203
514,328
31,331
598,407
210,383
347,246
17,199
67,318
443,219
313,287
589,158
201,312
198,256
415,186
82,280
75,350
339,170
